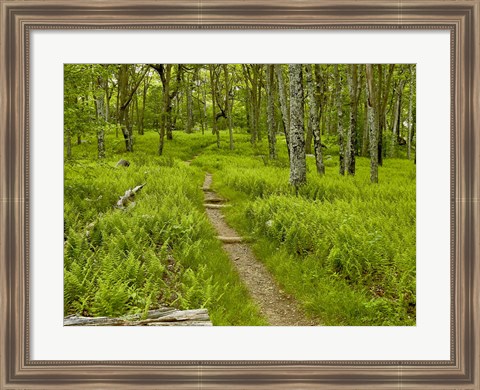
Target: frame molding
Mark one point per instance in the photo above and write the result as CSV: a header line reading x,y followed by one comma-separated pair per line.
x,y
18,18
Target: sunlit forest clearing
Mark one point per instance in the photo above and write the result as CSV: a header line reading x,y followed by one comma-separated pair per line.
x,y
309,218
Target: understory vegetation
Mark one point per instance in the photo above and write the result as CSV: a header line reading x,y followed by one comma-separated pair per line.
x,y
160,251
343,248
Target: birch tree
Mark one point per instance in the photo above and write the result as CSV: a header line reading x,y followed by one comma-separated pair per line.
x,y
352,129
298,168
372,103
314,121
339,107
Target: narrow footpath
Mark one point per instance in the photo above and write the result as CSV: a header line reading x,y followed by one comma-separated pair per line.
x,y
276,306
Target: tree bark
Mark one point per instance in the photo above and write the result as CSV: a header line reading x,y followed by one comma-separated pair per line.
x,y
123,106
396,131
252,74
298,168
365,145
339,106
100,103
314,119
213,82
372,123
188,94
165,73
410,116
383,92
125,98
352,130
173,94
141,116
69,144
272,140
228,104
283,105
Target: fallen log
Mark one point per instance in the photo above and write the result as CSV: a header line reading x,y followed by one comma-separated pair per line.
x,y
160,317
129,195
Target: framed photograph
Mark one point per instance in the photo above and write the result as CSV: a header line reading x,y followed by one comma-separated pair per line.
x,y
115,118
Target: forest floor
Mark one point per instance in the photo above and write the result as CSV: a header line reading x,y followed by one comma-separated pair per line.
x,y
279,308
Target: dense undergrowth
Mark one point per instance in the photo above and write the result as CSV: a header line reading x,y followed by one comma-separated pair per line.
x,y
344,248
159,251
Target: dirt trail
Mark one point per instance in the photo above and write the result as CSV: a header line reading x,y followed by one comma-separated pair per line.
x,y
278,308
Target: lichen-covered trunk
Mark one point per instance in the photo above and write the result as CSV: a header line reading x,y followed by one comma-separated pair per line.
x,y
283,105
372,124
352,129
298,168
272,140
101,142
339,107
314,119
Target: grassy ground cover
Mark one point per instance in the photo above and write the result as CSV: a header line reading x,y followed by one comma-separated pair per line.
x,y
161,251
344,248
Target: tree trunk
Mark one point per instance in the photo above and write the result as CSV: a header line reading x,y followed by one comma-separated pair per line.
x,y
258,77
352,130
410,116
298,168
383,92
339,106
188,93
372,123
204,103
283,105
365,145
271,113
170,121
100,103
228,105
252,75
314,120
123,107
396,131
141,123
213,83
125,98
165,72
69,144
108,96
